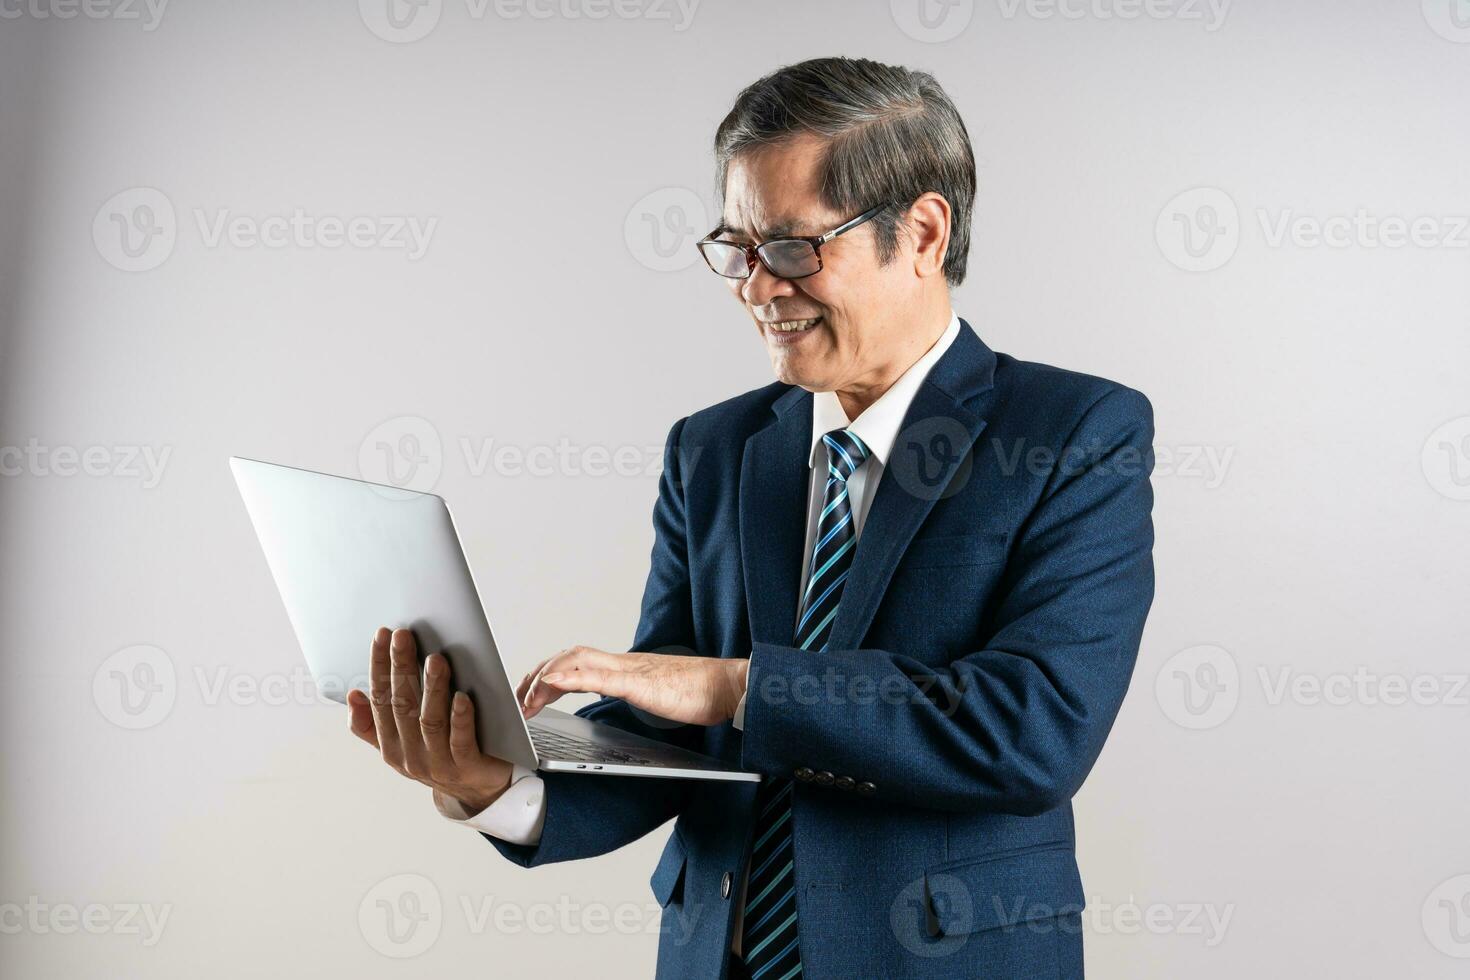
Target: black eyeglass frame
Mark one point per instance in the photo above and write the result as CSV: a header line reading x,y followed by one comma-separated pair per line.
x,y
753,252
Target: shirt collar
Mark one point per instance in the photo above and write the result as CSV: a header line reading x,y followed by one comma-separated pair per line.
x,y
878,426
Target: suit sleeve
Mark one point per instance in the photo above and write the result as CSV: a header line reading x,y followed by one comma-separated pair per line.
x,y
589,815
1014,727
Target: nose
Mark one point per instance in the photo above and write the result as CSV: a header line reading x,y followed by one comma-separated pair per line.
x,y
762,286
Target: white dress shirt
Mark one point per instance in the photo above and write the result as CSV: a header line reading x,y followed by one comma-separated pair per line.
x,y
517,816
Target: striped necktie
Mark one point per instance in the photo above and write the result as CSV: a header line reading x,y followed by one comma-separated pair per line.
x,y
769,939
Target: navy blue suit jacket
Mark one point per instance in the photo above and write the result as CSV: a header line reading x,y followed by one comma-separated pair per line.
x,y
984,643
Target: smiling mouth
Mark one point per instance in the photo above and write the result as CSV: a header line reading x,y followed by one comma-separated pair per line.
x,y
792,326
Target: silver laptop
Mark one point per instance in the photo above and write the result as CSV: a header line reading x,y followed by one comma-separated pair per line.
x,y
350,556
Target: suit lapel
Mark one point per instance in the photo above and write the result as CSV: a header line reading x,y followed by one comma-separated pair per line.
x,y
937,437
774,481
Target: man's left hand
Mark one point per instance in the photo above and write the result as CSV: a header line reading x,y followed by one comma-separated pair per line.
x,y
694,690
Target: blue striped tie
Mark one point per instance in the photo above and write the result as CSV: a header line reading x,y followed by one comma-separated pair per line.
x,y
769,934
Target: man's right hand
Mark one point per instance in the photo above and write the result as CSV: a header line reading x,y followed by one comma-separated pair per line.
x,y
418,732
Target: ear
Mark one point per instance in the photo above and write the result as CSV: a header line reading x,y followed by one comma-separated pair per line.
x,y
928,229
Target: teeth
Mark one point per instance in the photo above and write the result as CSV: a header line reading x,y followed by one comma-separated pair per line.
x,y
791,326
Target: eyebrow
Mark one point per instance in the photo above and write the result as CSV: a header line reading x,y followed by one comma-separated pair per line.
x,y
782,229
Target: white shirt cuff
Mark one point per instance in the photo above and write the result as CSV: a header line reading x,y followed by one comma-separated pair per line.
x,y
739,720
516,817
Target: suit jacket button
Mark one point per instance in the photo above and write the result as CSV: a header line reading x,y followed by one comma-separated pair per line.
x,y
867,789
823,778
804,774
843,782
725,885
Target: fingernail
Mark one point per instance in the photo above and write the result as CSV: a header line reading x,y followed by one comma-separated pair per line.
x,y
551,678
461,702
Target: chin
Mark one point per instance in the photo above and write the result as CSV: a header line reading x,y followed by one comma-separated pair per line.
x,y
802,379
789,372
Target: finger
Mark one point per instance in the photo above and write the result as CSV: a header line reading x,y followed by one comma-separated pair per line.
x,y
380,690
360,714
525,685
557,683
591,679
407,697
558,662
464,748
577,658
528,698
434,715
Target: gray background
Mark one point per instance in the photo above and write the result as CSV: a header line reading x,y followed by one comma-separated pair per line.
x,y
1232,828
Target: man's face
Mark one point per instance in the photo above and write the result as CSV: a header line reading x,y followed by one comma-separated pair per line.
x,y
849,317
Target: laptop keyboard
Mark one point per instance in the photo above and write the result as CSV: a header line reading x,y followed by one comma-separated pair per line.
x,y
560,747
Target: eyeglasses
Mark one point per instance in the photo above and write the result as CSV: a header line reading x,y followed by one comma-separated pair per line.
x,y
784,258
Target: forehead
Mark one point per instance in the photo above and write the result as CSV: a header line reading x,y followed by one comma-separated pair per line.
x,y
776,190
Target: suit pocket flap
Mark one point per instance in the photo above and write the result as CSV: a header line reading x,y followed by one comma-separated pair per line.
x,y
670,871
938,551
982,893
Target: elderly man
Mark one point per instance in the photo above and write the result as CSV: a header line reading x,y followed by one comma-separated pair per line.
x,y
906,583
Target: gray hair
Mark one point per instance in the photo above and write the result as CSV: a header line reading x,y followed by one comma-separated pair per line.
x,y
892,134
